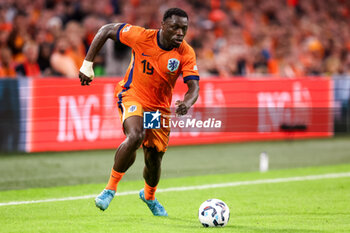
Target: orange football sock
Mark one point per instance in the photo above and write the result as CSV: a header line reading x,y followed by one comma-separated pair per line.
x,y
150,192
114,180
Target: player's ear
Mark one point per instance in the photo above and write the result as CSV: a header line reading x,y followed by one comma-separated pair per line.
x,y
162,25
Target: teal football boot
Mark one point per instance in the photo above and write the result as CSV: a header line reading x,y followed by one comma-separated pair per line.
x,y
154,205
103,200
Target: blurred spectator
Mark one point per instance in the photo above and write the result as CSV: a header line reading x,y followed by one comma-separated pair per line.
x,y
18,36
7,65
279,38
61,60
75,34
5,27
29,67
45,51
4,34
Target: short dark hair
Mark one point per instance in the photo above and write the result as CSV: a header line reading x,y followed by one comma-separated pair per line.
x,y
174,11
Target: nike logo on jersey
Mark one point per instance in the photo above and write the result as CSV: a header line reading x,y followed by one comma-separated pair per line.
x,y
145,55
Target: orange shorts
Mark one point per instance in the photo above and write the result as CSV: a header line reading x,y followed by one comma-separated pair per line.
x,y
157,138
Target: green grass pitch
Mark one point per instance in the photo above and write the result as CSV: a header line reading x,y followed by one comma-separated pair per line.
x,y
299,206
320,205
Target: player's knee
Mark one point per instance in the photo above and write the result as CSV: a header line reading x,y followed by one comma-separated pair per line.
x,y
135,139
153,160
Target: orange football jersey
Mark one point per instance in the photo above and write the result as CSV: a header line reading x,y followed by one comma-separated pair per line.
x,y
153,71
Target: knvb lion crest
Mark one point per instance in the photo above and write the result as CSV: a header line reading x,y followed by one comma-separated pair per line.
x,y
173,64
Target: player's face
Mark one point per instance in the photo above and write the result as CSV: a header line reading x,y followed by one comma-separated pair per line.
x,y
174,30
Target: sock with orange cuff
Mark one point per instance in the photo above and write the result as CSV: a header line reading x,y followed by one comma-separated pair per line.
x,y
150,192
114,180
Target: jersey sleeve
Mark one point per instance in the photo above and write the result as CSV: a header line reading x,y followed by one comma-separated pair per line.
x,y
129,34
189,68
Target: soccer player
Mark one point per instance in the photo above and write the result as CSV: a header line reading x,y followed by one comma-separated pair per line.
x,y
158,58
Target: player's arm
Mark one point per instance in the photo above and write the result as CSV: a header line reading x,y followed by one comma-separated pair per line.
x,y
190,98
86,72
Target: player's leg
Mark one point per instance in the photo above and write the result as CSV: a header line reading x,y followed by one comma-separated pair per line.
x,y
154,147
151,171
124,158
126,153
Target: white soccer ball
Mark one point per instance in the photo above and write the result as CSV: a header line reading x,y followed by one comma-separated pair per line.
x,y
213,213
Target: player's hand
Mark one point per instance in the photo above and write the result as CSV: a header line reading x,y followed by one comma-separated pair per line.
x,y
86,73
84,80
181,107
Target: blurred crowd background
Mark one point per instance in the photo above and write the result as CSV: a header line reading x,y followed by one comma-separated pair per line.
x,y
249,38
